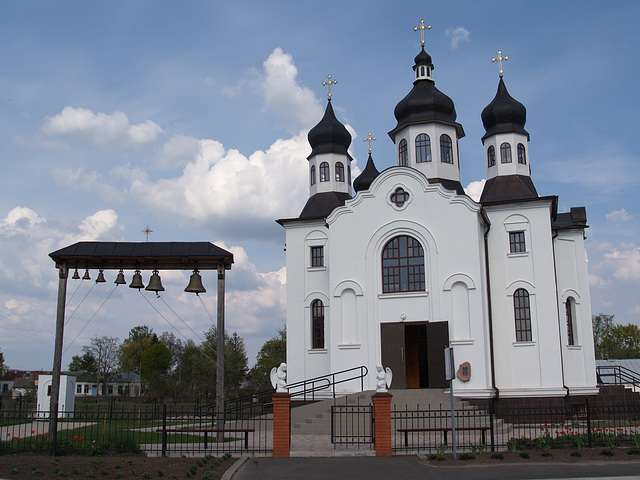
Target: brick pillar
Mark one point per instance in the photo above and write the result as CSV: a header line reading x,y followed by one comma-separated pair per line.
x,y
281,425
382,423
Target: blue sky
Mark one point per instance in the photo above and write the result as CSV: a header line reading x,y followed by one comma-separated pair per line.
x,y
191,117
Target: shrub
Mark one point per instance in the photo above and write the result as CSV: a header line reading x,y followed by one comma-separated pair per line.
x,y
497,456
467,456
524,455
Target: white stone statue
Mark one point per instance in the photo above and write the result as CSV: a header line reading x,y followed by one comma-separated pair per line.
x,y
383,378
279,378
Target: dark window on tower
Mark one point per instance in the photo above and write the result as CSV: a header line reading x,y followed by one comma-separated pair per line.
x,y
349,174
317,324
516,242
491,156
402,153
324,172
423,148
522,312
570,314
505,153
313,175
522,155
317,256
403,266
339,172
399,197
446,149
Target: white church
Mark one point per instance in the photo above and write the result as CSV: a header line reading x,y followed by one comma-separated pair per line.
x,y
400,264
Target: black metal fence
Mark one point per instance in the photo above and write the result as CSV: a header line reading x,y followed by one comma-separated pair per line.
x,y
352,425
153,429
575,426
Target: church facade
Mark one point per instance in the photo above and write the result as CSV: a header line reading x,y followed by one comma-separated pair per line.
x,y
402,263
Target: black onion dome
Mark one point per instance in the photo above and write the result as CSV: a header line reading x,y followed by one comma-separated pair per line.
x,y
366,178
329,135
504,114
425,103
423,58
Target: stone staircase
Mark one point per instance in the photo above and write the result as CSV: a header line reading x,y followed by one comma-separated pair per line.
x,y
315,418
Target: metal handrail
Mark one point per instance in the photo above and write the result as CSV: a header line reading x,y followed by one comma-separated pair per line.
x,y
621,375
309,388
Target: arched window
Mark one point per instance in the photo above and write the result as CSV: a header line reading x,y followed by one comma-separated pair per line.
x,y
339,172
570,310
505,153
313,175
423,148
349,174
317,324
446,149
324,172
522,156
522,311
403,266
402,153
491,156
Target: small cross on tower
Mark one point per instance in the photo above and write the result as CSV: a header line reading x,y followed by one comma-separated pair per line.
x,y
500,59
422,28
369,139
328,83
147,231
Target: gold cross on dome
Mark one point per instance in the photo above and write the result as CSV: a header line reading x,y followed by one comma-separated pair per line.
x,y
147,231
500,59
422,28
328,83
369,139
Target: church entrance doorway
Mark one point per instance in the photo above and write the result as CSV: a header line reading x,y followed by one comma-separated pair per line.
x,y
415,353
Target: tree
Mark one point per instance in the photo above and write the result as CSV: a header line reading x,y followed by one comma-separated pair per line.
x,y
622,341
602,324
235,363
132,349
156,362
83,363
2,365
105,351
272,354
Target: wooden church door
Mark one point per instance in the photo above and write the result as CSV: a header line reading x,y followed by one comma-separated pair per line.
x,y
415,353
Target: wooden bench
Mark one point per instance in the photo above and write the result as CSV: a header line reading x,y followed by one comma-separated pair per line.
x,y
444,431
206,431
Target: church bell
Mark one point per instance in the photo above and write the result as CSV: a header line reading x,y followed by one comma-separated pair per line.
x,y
155,285
120,279
136,281
195,284
100,278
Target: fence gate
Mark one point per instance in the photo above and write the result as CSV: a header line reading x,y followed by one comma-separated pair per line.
x,y
352,424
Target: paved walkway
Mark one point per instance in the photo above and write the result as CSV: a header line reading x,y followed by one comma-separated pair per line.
x,y
320,446
411,468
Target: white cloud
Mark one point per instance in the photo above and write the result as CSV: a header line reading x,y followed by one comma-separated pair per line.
x,y
178,151
225,189
474,189
458,35
619,216
27,239
296,104
102,129
624,261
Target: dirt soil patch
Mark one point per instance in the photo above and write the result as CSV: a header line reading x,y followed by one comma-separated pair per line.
x,y
560,455
32,466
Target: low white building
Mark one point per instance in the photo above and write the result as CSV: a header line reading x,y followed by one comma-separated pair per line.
x,y
410,264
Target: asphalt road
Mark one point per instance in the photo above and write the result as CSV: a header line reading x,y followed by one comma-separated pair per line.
x,y
410,468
